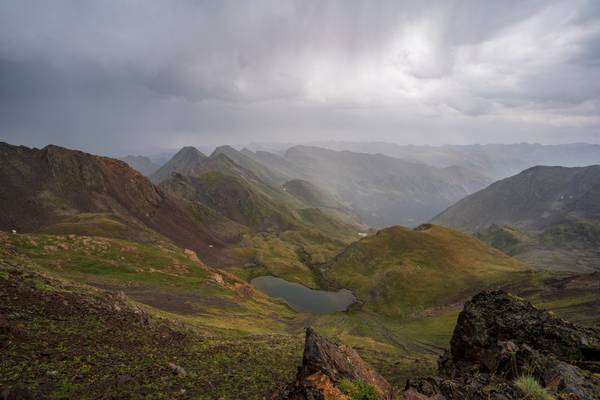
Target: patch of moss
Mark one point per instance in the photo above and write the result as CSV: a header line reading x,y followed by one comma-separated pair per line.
x,y
358,390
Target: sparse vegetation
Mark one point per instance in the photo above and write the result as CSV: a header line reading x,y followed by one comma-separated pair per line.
x,y
358,390
532,388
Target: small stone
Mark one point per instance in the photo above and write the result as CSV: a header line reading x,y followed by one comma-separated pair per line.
x,y
219,279
177,370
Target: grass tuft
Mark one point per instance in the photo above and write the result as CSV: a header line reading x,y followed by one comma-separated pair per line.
x,y
358,390
532,388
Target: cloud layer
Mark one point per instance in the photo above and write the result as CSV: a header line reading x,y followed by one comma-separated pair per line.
x,y
116,76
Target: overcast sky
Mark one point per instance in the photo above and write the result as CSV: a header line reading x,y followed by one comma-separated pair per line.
x,y
126,76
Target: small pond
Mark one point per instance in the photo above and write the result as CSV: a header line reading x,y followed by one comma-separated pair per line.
x,y
304,299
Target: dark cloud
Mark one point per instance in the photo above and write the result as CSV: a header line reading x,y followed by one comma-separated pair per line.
x,y
137,75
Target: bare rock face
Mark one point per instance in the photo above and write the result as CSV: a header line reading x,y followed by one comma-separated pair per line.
x,y
325,365
499,338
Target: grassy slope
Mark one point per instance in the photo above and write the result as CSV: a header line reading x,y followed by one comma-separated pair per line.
x,y
65,341
399,271
159,275
235,198
165,282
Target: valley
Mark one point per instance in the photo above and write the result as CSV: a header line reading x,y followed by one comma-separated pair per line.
x,y
299,200
192,274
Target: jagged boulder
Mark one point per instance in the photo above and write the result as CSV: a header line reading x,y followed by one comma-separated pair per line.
x,y
499,338
328,369
492,317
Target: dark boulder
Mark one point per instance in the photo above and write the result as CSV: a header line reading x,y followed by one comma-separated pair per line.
x,y
499,338
493,317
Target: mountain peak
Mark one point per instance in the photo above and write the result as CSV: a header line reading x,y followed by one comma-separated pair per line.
x,y
225,149
187,159
189,151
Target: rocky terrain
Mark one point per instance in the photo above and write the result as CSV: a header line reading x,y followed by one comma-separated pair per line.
x,y
333,371
503,348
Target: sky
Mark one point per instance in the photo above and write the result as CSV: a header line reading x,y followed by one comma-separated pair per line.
x,y
134,76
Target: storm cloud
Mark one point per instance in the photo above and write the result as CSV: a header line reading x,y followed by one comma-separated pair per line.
x,y
122,76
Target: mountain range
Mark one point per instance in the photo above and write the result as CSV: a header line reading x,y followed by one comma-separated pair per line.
x,y
94,256
494,160
549,216
57,190
380,190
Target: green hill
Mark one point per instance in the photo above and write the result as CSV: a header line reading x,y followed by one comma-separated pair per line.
x,y
399,271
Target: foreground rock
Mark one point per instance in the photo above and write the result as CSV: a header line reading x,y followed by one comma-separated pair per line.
x,y
334,372
500,339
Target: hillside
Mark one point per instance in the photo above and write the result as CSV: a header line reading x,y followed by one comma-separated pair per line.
x,y
285,233
310,194
233,197
399,271
66,191
266,174
169,331
550,214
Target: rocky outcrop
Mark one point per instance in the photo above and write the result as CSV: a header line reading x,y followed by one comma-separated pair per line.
x,y
329,371
500,338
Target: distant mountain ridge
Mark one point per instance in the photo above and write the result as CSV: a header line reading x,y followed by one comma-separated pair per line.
x,y
547,215
250,193
381,190
534,200
493,160
142,164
